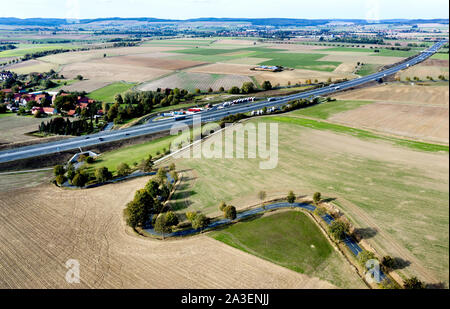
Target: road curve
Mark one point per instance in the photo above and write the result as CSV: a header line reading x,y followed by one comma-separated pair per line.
x,y
207,116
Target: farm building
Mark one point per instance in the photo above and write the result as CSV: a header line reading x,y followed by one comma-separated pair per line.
x,y
268,68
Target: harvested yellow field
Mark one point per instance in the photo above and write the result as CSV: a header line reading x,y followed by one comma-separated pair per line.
x,y
30,66
429,123
102,70
155,60
426,95
354,57
43,227
430,67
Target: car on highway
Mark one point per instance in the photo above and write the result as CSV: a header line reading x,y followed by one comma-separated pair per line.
x,y
271,99
101,139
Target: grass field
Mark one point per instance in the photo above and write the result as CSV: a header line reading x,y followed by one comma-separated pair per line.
x,y
24,49
367,69
327,109
13,128
440,56
299,61
390,185
107,94
294,241
131,154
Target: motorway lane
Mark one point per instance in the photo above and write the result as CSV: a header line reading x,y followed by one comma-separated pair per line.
x,y
207,116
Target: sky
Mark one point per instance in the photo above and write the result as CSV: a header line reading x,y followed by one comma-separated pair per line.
x,y
185,9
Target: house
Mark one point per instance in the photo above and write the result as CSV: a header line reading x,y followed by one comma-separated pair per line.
x,y
45,110
72,112
5,75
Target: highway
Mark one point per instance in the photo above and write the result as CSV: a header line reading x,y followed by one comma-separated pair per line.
x,y
206,116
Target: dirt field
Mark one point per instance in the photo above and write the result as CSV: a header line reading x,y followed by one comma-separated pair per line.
x,y
426,95
13,128
102,70
154,60
42,227
192,81
429,123
430,67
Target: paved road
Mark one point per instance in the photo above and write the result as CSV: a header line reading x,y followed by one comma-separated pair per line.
x,y
207,116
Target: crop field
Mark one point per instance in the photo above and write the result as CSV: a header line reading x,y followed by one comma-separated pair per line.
x,y
328,109
379,183
43,227
11,182
192,81
422,95
24,49
107,94
13,128
430,67
291,239
29,66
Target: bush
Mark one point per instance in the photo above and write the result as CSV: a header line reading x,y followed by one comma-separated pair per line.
x,y
161,225
266,85
79,180
200,221
58,170
320,211
190,215
123,169
291,197
317,197
222,206
364,256
136,214
234,90
102,174
60,179
90,160
413,283
230,212
338,229
171,218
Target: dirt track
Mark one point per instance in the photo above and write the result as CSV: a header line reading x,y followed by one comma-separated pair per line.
x,y
42,227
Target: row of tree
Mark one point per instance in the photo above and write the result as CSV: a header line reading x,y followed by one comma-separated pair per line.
x,y
62,126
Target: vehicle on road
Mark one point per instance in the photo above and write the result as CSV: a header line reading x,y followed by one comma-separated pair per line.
x,y
101,139
271,99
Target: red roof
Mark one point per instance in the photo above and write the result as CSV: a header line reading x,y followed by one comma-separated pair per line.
x,y
83,105
6,90
71,112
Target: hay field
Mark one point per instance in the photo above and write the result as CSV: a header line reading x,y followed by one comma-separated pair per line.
x,y
422,95
429,123
191,81
29,66
430,67
42,227
282,78
402,193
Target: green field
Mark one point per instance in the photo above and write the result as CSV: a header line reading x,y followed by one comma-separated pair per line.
x,y
107,94
328,109
294,241
349,49
24,49
440,56
396,53
367,69
131,154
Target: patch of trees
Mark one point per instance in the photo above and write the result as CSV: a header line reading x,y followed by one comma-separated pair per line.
x,y
7,47
338,229
62,126
232,119
3,108
198,220
359,40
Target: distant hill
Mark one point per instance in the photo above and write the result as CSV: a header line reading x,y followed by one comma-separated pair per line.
x,y
49,22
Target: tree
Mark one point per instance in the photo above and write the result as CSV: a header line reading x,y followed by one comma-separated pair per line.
x,y
221,89
174,176
123,169
152,187
222,206
320,211
266,85
230,212
171,218
190,215
144,198
234,90
262,195
79,180
388,262
413,283
136,214
58,170
248,87
70,171
338,229
60,179
147,164
161,225
200,221
79,77
291,197
365,256
161,175
102,174
90,160
317,197
210,90
172,167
